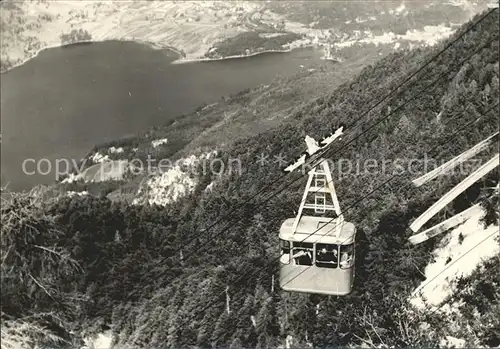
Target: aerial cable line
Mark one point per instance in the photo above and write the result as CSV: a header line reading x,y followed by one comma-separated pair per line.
x,y
476,120
357,137
405,103
449,139
390,179
447,46
318,155
361,134
324,151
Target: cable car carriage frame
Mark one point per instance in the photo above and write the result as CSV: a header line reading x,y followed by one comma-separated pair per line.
x,y
318,251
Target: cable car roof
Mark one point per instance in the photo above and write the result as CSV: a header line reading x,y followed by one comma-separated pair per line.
x,y
318,229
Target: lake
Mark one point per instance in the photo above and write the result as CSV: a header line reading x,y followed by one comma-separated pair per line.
x,y
68,99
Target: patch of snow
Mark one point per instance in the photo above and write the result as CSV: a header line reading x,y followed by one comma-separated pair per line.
x,y
270,35
161,24
297,44
102,341
396,45
299,162
400,8
461,252
172,183
210,186
116,150
157,142
452,342
72,178
254,323
73,193
97,157
168,187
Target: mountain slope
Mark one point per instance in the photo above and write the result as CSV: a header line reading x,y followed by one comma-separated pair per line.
x,y
142,279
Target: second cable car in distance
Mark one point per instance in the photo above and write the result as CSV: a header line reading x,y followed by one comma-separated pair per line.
x,y
317,250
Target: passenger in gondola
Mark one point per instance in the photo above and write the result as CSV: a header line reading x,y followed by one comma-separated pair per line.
x,y
345,259
302,258
323,254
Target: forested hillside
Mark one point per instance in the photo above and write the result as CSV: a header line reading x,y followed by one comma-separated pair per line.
x,y
164,277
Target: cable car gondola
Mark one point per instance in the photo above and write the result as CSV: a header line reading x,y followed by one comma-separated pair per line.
x,y
317,251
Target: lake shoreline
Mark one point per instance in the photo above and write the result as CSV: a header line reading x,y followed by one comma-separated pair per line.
x,y
142,82
195,60
49,46
180,59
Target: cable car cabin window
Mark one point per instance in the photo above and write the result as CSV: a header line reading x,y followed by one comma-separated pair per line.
x,y
327,255
285,251
346,256
302,253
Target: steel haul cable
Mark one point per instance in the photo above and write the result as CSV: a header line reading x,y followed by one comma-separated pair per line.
x,y
383,184
380,120
352,140
369,128
474,121
377,188
411,76
317,156
320,154
447,46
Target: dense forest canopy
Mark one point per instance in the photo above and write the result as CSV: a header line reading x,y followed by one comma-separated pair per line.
x,y
88,263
